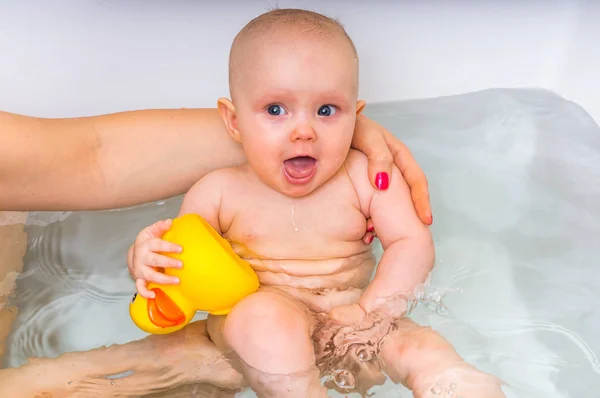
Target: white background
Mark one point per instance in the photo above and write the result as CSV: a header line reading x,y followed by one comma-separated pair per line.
x,y
82,57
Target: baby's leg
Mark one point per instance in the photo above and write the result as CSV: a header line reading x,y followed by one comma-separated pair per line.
x,y
426,363
269,332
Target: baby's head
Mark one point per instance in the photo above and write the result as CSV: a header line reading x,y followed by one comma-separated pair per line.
x,y
293,80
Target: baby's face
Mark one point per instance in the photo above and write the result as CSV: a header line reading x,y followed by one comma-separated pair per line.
x,y
295,103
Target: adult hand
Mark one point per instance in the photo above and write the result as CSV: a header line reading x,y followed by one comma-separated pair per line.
x,y
383,150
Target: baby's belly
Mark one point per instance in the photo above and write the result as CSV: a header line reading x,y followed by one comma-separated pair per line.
x,y
320,284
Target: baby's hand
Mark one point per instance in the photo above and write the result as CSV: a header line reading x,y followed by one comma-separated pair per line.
x,y
351,314
143,258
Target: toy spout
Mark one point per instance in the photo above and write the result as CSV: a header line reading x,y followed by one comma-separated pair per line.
x,y
167,312
163,311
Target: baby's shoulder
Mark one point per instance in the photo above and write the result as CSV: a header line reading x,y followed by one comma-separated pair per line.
x,y
357,168
356,160
225,175
215,181
357,165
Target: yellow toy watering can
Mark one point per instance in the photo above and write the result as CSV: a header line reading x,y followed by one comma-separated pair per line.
x,y
213,279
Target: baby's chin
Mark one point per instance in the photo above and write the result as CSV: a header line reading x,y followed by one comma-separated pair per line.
x,y
296,191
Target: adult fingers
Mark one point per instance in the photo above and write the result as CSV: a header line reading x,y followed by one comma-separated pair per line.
x,y
413,175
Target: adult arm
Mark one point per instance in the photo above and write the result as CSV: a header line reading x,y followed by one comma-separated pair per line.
x,y
108,161
128,158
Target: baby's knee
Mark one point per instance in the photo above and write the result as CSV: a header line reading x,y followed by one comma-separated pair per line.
x,y
268,325
265,318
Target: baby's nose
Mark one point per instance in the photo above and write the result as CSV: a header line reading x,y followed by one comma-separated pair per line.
x,y
303,132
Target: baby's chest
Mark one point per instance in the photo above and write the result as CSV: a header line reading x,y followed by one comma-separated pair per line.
x,y
298,225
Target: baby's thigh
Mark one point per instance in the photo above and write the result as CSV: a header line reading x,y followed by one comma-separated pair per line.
x,y
269,331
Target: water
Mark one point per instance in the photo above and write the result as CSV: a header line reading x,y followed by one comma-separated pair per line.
x,y
294,219
515,186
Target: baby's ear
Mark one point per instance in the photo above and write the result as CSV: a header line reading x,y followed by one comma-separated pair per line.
x,y
360,105
227,111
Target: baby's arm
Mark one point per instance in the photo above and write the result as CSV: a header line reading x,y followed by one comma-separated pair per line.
x,y
413,355
204,198
408,247
147,252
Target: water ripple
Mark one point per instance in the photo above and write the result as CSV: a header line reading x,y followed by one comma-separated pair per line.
x,y
515,326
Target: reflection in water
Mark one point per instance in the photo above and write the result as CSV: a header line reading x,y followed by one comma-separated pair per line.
x,y
515,187
74,292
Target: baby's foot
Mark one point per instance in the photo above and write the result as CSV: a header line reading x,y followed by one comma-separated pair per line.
x,y
458,382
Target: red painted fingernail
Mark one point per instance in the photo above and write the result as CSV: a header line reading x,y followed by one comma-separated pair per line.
x,y
382,181
371,239
371,229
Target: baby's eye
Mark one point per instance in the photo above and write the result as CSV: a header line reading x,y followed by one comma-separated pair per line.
x,y
327,110
276,110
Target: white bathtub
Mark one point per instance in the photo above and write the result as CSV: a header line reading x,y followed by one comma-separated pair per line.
x,y
73,58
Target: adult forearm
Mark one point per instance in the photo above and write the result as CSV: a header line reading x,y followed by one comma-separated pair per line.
x,y
42,162
150,365
108,161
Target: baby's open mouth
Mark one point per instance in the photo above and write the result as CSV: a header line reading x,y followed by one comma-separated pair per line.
x,y
300,169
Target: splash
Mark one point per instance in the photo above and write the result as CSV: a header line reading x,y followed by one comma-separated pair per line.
x,y
431,297
348,356
449,392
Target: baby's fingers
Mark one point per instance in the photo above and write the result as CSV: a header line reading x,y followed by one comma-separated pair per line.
x,y
151,275
158,260
159,228
142,290
159,245
156,230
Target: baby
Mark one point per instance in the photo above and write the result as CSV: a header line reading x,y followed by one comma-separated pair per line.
x,y
297,212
